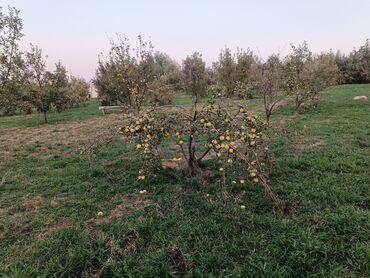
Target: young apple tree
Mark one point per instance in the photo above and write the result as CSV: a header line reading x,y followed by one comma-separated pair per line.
x,y
45,89
234,139
125,76
269,80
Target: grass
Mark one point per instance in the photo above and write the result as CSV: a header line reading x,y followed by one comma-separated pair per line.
x,y
50,196
79,113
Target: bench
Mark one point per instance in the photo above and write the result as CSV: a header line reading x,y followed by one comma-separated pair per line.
x,y
105,108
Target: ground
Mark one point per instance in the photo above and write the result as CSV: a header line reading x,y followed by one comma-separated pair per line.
x,y
51,194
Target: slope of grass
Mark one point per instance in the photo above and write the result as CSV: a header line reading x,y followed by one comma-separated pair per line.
x,y
50,196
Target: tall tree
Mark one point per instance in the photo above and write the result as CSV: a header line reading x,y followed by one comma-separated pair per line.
x,y
78,91
126,74
269,82
39,81
226,71
11,63
195,75
59,88
295,64
364,54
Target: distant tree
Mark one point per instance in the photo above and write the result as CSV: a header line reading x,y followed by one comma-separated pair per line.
x,y
364,55
234,73
11,63
319,73
41,93
269,79
246,64
226,71
111,88
168,78
125,76
354,67
78,91
162,90
342,62
195,75
163,64
58,85
351,69
295,64
307,75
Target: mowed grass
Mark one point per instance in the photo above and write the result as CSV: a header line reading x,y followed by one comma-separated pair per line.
x,y
50,195
85,111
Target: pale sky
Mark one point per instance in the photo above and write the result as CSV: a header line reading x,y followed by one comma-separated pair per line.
x,y
76,31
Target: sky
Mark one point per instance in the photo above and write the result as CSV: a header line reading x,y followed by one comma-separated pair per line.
x,y
77,31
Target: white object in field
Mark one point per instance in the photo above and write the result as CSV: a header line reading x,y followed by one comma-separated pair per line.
x,y
104,108
360,98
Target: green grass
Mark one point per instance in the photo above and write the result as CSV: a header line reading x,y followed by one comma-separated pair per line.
x,y
83,112
50,196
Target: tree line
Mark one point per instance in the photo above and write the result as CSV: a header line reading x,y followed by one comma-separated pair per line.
x,y
139,75
134,76
25,83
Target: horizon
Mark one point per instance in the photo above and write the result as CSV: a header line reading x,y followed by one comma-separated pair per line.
x,y
77,32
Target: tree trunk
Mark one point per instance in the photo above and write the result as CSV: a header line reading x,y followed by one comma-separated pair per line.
x,y
45,117
192,161
298,102
268,114
193,166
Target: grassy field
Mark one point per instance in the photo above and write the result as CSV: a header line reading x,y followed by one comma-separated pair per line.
x,y
50,195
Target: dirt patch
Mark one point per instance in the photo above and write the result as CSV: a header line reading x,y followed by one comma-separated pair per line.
x,y
125,206
175,163
4,156
91,273
59,200
317,143
24,229
178,262
31,208
127,245
282,103
32,201
52,226
178,162
2,211
20,222
314,219
301,146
